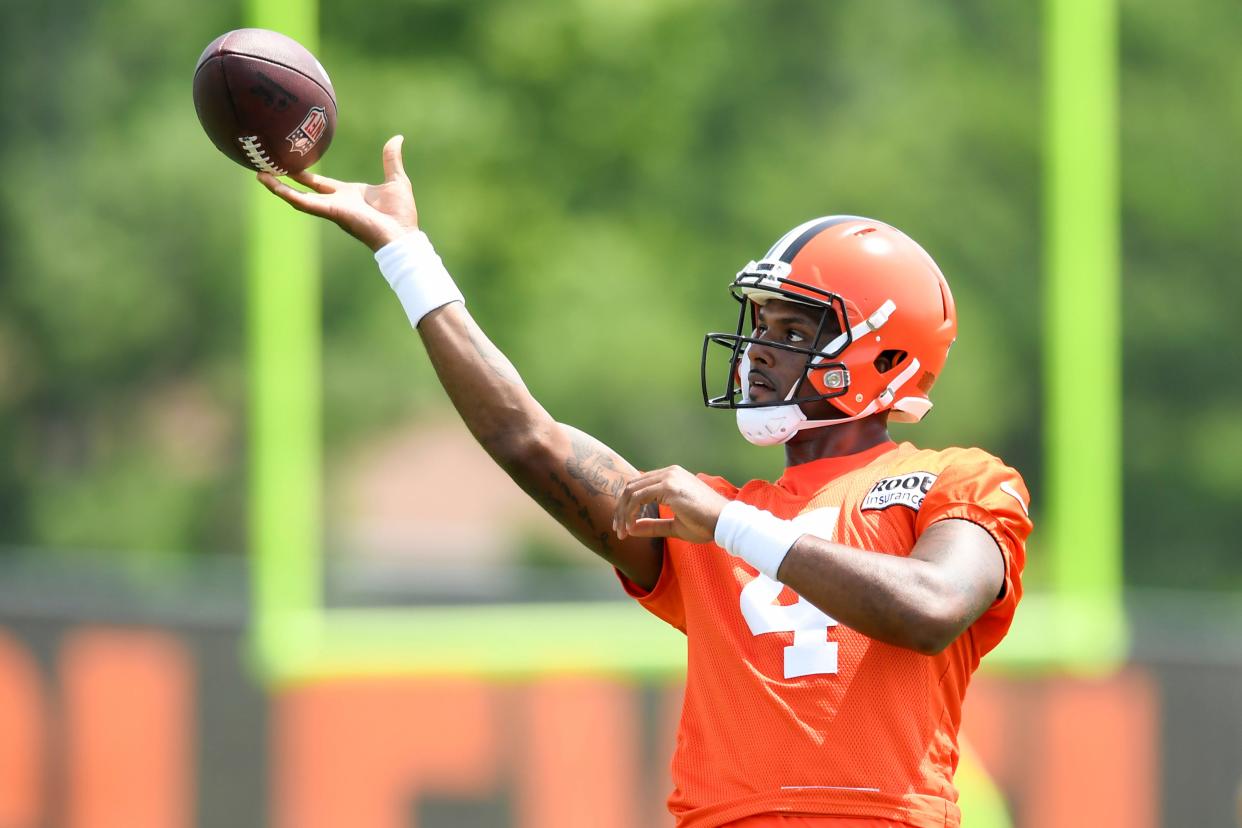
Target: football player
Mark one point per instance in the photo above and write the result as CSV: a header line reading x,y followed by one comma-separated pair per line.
x,y
834,616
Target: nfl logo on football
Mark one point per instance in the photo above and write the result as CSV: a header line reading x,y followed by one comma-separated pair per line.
x,y
308,133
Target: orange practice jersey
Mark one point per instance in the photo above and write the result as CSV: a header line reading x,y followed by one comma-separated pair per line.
x,y
787,711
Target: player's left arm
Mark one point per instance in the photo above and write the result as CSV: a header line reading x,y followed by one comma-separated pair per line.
x,y
923,602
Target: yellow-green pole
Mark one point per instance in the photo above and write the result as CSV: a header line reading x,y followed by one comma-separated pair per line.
x,y
1082,333
282,258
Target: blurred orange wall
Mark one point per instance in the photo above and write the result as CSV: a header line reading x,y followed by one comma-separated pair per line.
x,y
106,737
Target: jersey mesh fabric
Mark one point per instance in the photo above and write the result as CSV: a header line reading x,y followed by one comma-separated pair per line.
x,y
874,735
796,821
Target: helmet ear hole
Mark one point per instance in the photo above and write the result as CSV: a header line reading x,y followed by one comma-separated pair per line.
x,y
888,360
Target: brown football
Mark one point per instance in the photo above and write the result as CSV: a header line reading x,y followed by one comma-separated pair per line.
x,y
264,101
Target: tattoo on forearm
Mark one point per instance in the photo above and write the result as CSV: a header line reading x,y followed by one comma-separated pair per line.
x,y
583,512
594,468
492,357
598,473
586,531
556,496
547,500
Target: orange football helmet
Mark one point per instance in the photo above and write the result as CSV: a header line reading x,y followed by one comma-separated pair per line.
x,y
880,294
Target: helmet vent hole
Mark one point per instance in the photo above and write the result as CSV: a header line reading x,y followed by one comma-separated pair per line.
x,y
888,360
865,231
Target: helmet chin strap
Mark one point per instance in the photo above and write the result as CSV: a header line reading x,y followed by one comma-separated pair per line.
x,y
777,424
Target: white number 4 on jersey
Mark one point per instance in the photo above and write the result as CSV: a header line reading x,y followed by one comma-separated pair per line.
x,y
811,652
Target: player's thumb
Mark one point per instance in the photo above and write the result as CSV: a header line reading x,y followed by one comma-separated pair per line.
x,y
393,167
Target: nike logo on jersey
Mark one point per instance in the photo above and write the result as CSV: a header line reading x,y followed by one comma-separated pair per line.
x,y
902,490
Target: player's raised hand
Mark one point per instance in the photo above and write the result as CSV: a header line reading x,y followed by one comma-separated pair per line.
x,y
696,506
374,214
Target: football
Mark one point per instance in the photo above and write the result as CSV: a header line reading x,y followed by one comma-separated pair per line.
x,y
264,101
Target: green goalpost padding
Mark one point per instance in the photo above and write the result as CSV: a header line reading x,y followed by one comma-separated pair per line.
x,y
1082,333
283,326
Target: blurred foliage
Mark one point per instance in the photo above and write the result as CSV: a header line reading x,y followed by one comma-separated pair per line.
x,y
593,172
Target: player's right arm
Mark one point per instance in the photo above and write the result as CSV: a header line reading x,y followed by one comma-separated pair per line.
x,y
573,476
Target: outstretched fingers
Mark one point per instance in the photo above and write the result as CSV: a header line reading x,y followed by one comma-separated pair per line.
x,y
312,203
318,183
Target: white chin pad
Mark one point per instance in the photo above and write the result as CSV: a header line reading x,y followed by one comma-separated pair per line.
x,y
769,426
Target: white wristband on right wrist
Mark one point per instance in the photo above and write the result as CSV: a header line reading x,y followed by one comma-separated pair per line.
x,y
417,275
757,537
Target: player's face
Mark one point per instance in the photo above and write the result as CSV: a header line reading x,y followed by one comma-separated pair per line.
x,y
773,371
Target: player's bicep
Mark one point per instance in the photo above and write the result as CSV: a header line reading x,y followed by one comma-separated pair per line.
x,y
585,479
970,564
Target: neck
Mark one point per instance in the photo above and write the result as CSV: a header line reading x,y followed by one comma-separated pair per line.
x,y
837,440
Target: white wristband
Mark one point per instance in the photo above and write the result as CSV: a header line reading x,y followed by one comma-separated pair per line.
x,y
417,275
757,537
